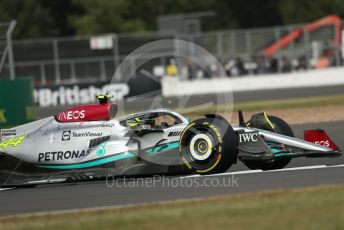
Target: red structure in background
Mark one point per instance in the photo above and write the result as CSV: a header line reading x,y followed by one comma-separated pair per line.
x,y
330,20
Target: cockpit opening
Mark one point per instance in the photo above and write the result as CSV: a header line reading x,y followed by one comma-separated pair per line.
x,y
154,120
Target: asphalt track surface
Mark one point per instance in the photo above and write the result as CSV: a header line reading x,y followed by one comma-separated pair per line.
x,y
301,172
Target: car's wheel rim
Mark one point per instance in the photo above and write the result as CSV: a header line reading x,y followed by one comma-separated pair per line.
x,y
201,147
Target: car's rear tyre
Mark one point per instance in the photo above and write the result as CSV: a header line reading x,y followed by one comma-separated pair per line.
x,y
282,127
208,146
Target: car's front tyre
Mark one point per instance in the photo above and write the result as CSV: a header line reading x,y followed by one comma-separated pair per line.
x,y
208,146
277,125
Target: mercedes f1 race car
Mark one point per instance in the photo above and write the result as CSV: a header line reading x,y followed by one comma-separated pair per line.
x,y
85,142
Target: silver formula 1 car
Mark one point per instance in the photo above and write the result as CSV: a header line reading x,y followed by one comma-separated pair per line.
x,y
85,143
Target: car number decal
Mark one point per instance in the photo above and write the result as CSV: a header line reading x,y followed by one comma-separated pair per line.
x,y
12,142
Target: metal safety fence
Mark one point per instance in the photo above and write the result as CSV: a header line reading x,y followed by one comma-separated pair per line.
x,y
95,58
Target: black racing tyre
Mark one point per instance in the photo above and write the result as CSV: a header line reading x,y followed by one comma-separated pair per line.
x,y
208,146
282,127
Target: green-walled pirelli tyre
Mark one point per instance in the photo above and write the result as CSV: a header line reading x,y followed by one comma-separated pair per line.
x,y
273,124
208,145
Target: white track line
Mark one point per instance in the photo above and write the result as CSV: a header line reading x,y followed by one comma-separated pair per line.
x,y
299,168
335,166
261,171
4,189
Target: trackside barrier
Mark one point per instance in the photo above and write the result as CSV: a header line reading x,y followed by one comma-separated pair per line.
x,y
16,102
172,86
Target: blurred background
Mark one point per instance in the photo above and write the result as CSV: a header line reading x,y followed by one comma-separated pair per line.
x,y
67,51
283,57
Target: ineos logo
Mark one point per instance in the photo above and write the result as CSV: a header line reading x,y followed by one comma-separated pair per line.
x,y
70,115
66,135
323,143
248,137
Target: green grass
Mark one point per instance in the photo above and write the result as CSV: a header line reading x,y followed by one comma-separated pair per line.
x,y
309,208
270,104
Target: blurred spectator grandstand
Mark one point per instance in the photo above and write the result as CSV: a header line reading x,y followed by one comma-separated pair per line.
x,y
242,52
